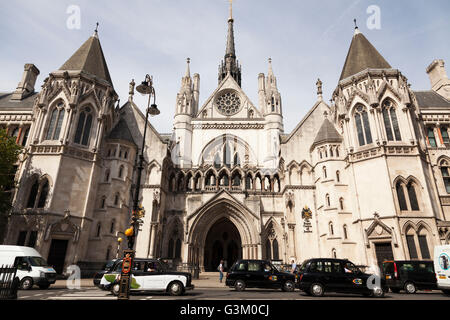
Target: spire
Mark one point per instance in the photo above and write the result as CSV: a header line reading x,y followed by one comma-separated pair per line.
x,y
89,58
230,63
362,55
271,82
326,133
188,69
270,73
96,31
319,90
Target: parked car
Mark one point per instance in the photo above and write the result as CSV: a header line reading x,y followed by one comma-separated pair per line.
x,y
409,275
108,267
32,269
149,275
318,276
442,267
258,274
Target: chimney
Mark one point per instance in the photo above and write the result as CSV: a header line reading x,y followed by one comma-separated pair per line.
x,y
439,79
26,86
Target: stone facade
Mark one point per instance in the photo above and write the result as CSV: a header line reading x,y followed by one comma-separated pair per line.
x,y
365,178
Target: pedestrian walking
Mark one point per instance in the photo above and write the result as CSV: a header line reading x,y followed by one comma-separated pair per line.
x,y
220,268
294,266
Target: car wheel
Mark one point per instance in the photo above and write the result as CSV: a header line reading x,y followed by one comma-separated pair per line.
x,y
395,290
115,289
26,283
317,290
377,293
410,288
288,286
239,285
44,286
175,288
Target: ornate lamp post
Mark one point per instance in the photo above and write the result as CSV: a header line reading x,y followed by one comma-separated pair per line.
x,y
146,88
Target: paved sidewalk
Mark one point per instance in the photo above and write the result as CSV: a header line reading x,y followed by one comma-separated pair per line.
x,y
207,280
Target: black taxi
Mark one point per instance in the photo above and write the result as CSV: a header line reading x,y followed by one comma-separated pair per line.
x,y
317,276
258,274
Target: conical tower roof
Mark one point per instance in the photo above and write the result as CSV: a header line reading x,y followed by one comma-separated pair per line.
x,y
362,55
327,133
89,58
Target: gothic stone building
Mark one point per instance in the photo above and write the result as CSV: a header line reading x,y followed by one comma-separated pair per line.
x,y
365,177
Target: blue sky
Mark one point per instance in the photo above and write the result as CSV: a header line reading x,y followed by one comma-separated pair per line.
x,y
306,40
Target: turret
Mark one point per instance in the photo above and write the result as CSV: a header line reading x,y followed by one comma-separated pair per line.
x,y
186,107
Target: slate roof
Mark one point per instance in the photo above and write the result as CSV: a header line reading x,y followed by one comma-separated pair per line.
x,y
327,133
90,59
362,55
431,100
24,104
121,132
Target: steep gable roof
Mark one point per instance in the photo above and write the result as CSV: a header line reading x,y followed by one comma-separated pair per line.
x,y
121,132
327,133
90,59
362,55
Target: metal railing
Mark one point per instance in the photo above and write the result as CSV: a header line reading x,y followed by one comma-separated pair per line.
x,y
9,283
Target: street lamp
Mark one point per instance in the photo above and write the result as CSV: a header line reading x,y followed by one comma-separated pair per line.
x,y
145,88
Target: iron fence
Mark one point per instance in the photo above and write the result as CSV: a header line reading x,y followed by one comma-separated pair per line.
x,y
9,283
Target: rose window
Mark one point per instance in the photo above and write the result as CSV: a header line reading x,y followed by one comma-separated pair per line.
x,y
228,103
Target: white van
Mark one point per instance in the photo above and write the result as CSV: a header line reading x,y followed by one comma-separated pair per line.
x,y
32,269
442,267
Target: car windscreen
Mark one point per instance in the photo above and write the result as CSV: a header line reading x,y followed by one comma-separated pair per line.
x,y
37,262
109,265
302,267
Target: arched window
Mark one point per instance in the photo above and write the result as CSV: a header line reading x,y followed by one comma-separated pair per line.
x,y
116,200
338,176
236,160
103,203
337,151
44,194
401,196
107,173
99,230
237,179
445,137
341,203
217,161
227,155
445,175
331,228
120,171
248,182
412,197
25,137
431,138
324,169
331,152
345,231
83,131
113,224
327,200
33,194
363,126
56,119
333,253
391,122
178,249
170,249
268,250
275,251
423,244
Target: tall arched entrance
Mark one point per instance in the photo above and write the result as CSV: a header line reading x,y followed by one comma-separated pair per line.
x,y
223,242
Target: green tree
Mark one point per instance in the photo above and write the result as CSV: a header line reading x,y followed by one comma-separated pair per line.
x,y
9,152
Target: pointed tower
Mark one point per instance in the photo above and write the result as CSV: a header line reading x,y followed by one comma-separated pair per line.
x,y
272,111
74,111
230,63
186,108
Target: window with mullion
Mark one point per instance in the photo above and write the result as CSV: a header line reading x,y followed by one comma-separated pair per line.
x,y
387,125
446,177
431,138
401,197
411,247
83,131
56,120
412,197
363,126
445,137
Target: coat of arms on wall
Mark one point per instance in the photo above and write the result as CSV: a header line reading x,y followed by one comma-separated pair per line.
x,y
307,216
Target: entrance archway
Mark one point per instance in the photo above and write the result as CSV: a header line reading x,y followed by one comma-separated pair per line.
x,y
223,242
